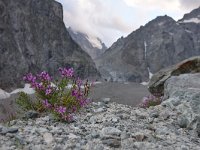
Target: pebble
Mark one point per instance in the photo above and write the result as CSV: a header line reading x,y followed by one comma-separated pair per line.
x,y
112,127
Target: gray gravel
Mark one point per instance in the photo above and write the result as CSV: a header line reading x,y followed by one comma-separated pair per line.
x,y
118,127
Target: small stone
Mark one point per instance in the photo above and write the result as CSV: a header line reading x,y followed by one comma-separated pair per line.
x,y
110,131
59,140
93,120
114,120
139,137
150,120
165,115
48,138
72,136
95,135
31,114
99,110
183,147
154,114
10,135
12,130
106,100
112,143
20,139
183,121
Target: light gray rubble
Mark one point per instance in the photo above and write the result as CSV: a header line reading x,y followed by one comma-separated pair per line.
x,y
103,125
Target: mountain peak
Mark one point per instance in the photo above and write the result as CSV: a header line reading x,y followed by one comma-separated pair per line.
x,y
160,19
91,44
192,17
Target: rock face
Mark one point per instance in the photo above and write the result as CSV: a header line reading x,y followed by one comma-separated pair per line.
x,y
160,43
33,37
183,93
191,65
93,46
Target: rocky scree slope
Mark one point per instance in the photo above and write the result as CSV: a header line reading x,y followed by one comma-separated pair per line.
x,y
160,43
33,37
104,125
94,47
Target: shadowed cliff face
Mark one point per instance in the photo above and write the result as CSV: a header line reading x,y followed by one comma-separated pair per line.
x,y
160,43
33,37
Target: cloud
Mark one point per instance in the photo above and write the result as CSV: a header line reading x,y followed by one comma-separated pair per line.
x,y
111,19
189,4
94,17
154,4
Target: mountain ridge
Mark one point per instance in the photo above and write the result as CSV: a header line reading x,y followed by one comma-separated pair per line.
x,y
158,44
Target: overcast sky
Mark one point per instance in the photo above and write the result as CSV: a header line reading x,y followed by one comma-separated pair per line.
x,y
111,19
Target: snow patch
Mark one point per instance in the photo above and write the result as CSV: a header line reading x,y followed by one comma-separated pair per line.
x,y
95,42
27,89
145,83
188,31
191,20
98,82
150,74
161,23
4,94
145,50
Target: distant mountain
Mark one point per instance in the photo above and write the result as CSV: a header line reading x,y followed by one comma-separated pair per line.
x,y
92,45
160,43
33,38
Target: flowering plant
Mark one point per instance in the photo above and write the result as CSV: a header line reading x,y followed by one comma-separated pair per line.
x,y
64,98
151,100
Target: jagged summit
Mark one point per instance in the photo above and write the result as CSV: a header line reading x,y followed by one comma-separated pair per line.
x,y
92,45
192,17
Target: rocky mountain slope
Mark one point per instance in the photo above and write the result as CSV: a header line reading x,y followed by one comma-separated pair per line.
x,y
93,46
33,37
160,43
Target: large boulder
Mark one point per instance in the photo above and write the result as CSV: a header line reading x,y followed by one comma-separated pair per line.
x,y
33,37
183,94
191,65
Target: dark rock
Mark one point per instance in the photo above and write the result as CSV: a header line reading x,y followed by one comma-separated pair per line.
x,y
33,38
191,65
112,143
183,121
8,130
154,114
140,137
31,114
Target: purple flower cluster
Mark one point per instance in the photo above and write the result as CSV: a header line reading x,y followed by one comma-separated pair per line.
x,y
66,72
56,99
46,104
61,110
81,99
44,76
29,78
49,90
151,100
